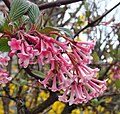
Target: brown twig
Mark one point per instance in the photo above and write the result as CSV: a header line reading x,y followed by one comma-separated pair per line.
x,y
48,5
56,4
40,108
95,21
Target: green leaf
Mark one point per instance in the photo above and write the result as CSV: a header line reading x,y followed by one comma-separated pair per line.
x,y
117,83
6,25
88,13
33,12
68,32
16,83
48,29
95,101
25,19
18,9
39,73
4,45
86,5
23,82
95,57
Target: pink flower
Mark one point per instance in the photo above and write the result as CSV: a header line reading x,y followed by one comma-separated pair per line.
x,y
15,44
27,54
45,81
4,60
82,87
83,57
45,54
116,71
63,98
85,46
31,38
68,71
83,91
54,83
4,76
117,75
56,72
64,81
24,58
32,52
52,73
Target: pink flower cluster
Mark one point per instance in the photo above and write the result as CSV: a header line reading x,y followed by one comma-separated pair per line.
x,y
25,52
4,75
68,65
116,71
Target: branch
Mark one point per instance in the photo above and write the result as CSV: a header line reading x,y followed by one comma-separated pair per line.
x,y
48,5
40,108
108,68
56,4
68,109
97,20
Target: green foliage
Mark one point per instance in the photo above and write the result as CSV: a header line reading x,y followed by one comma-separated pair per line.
x,y
39,73
68,32
95,57
117,83
21,7
88,13
48,29
95,101
25,19
23,82
4,45
33,12
22,13
16,83
18,9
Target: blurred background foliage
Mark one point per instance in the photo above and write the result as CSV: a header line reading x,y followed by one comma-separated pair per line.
x,y
106,56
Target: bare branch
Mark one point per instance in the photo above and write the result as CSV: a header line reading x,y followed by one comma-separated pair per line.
x,y
48,5
57,3
98,19
40,108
